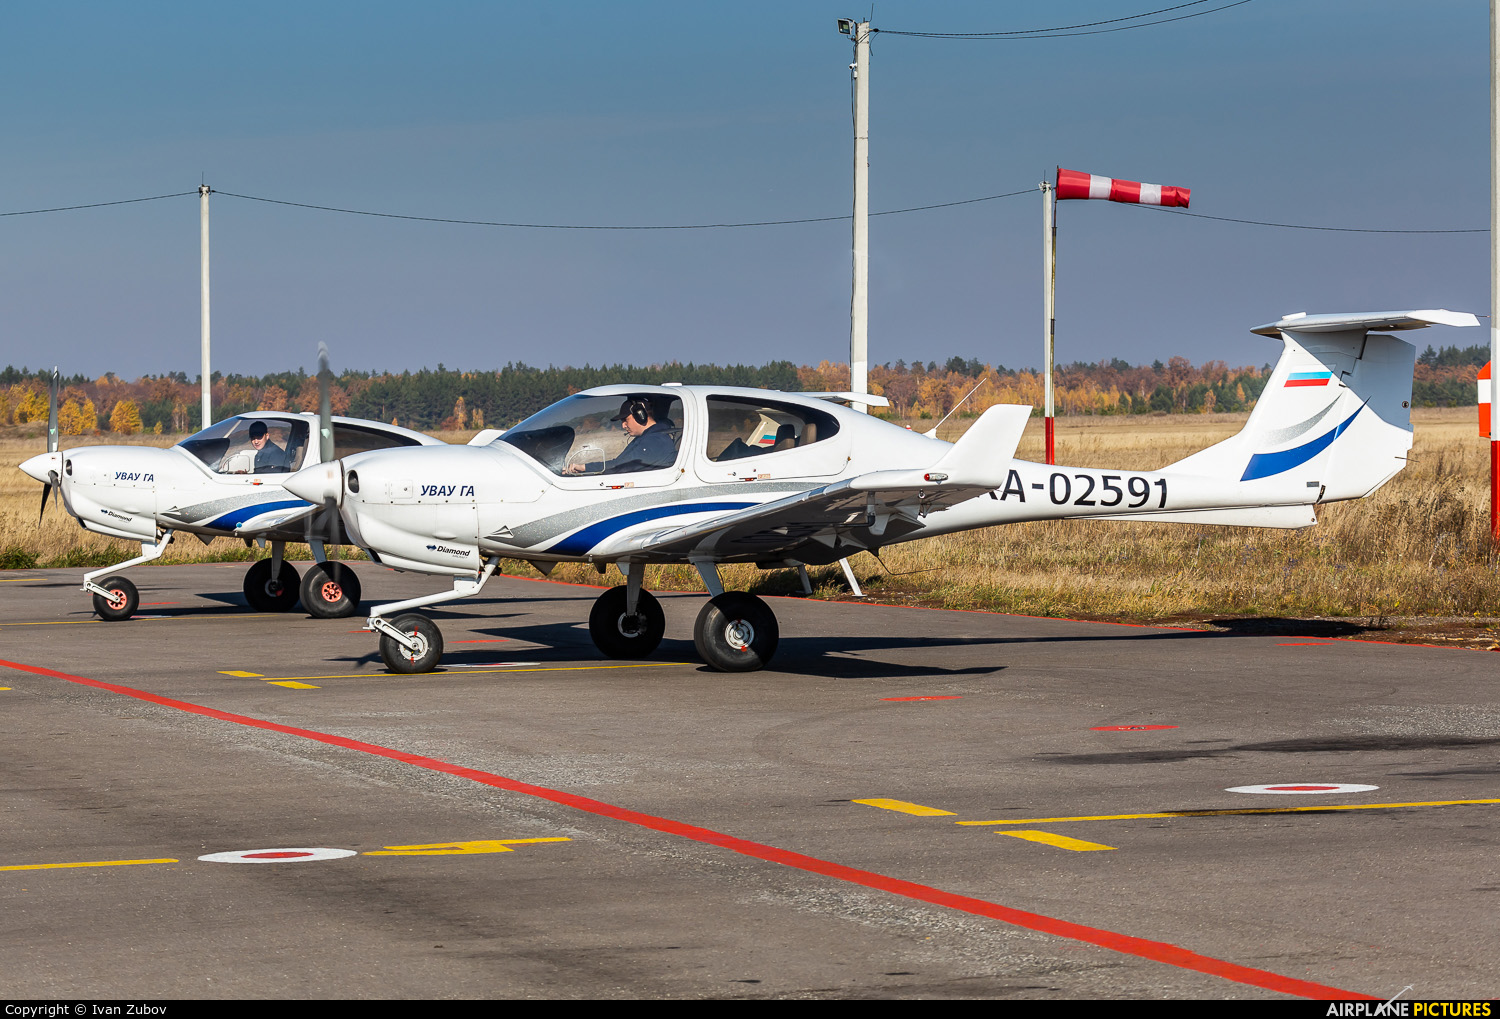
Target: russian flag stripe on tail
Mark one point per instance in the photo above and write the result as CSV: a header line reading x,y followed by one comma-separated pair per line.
x,y
1075,184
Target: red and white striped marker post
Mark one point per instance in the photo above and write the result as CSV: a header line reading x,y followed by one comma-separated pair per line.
x,y
1073,184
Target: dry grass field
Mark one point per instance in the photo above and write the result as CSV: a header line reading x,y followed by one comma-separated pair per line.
x,y
1413,561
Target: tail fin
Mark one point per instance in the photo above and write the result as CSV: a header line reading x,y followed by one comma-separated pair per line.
x,y
1335,413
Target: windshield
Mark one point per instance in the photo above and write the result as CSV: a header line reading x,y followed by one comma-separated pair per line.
x,y
257,445
602,434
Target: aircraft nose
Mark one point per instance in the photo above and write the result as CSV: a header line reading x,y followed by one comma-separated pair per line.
x,y
39,465
318,483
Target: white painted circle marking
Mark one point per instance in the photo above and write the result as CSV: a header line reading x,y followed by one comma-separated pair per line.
x,y
490,665
297,855
1303,788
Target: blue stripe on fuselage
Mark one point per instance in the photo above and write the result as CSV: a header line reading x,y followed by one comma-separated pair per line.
x,y
585,538
234,518
1264,465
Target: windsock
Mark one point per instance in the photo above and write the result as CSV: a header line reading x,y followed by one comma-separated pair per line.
x,y
1073,184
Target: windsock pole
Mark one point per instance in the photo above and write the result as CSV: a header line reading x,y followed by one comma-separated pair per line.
x,y
1049,313
1494,384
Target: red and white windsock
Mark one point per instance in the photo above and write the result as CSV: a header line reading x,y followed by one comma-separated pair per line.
x,y
1073,184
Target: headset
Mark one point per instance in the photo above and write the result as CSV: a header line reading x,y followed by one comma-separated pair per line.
x,y
639,410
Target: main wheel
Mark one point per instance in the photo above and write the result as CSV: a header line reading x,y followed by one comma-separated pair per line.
x,y
736,632
429,645
620,634
122,600
330,590
265,596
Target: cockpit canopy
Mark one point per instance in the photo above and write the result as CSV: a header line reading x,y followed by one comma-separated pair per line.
x,y
586,434
620,432
272,444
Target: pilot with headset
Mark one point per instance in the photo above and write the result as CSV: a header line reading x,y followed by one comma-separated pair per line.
x,y
650,447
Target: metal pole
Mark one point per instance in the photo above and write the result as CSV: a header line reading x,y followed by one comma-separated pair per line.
x,y
1049,309
203,192
1494,274
859,308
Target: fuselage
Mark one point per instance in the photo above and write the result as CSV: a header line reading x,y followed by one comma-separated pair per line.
x,y
524,496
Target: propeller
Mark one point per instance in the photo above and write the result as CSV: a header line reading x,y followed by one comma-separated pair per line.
x,y
52,444
325,522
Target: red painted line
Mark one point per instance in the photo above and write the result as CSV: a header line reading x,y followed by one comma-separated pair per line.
x,y
1306,645
941,697
275,856
1129,728
1156,951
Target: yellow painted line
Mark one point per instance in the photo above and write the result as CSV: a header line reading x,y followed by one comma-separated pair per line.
x,y
475,672
19,580
92,863
241,675
1060,841
1247,810
906,808
297,686
57,622
459,848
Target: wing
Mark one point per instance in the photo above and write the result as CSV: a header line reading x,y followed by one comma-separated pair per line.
x,y
828,523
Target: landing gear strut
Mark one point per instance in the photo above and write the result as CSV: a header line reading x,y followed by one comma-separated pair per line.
x,y
735,631
116,598
411,642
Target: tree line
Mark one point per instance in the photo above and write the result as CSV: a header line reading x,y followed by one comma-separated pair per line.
x,y
442,398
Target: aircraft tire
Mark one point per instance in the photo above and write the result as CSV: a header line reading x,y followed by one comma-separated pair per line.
x,y
122,601
330,590
736,632
429,639
619,635
265,596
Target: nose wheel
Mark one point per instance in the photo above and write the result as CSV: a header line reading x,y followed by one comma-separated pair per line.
x,y
428,641
267,595
736,632
330,590
119,602
621,634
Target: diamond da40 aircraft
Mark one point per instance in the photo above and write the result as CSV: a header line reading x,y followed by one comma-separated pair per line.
x,y
225,481
641,475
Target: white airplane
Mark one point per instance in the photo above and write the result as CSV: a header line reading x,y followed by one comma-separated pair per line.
x,y
225,481
715,475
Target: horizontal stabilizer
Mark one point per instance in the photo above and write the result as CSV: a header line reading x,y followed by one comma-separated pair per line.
x,y
1367,321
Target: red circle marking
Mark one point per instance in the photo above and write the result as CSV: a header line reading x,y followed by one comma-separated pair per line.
x,y
1129,728
935,697
275,856
1300,788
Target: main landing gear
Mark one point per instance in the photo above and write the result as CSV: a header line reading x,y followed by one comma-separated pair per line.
x,y
734,632
329,591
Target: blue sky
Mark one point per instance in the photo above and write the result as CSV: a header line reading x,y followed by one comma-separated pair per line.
x,y
1356,113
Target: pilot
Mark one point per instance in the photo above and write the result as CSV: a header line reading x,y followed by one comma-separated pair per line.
x,y
650,430
268,455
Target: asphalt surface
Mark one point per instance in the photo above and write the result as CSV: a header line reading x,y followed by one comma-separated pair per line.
x,y
701,834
